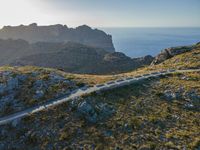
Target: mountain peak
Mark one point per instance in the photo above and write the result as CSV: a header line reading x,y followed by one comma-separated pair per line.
x,y
86,27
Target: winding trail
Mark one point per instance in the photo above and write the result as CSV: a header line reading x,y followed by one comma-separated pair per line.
x,y
87,90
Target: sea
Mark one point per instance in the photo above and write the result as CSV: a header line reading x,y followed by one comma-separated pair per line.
x,y
138,42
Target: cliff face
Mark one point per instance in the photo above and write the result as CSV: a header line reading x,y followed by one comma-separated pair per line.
x,y
59,33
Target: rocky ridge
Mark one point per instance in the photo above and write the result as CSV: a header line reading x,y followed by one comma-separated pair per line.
x,y
59,33
171,52
70,57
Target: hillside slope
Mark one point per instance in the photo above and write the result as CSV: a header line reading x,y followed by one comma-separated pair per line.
x,y
186,60
85,61
25,87
153,114
157,113
70,57
171,52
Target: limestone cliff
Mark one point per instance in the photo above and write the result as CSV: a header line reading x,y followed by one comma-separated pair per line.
x,y
59,33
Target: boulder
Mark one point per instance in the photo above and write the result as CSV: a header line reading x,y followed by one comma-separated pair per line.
x,y
40,84
94,111
179,93
193,96
39,94
189,106
172,95
87,111
127,128
104,111
193,100
169,95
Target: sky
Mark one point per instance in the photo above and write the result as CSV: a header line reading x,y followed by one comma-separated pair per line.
x,y
102,13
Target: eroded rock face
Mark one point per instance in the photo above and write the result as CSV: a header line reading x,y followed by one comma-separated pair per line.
x,y
170,52
59,33
87,111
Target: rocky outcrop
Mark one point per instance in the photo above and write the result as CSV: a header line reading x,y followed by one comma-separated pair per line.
x,y
171,52
21,90
191,98
146,60
92,111
59,33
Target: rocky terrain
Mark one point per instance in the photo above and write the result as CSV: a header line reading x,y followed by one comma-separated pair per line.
x,y
171,52
189,58
156,113
58,34
20,89
70,50
70,57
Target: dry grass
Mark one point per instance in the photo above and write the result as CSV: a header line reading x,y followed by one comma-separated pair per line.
x,y
186,60
153,120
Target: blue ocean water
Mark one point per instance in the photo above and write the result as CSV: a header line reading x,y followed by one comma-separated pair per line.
x,y
136,42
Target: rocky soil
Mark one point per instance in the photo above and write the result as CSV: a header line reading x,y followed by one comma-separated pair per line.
x,y
22,90
158,113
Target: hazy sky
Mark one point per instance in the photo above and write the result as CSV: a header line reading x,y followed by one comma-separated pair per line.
x,y
102,13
